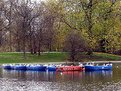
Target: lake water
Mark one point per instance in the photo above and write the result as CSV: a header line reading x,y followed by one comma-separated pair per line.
x,y
61,81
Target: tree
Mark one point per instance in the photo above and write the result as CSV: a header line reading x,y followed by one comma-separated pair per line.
x,y
25,14
75,44
9,14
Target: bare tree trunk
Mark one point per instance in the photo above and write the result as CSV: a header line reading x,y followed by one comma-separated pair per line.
x,y
10,41
34,46
50,45
39,46
31,49
30,44
18,46
24,47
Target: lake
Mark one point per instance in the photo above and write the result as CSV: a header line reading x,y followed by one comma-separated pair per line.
x,y
61,81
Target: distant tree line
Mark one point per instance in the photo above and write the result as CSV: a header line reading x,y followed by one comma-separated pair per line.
x,y
73,26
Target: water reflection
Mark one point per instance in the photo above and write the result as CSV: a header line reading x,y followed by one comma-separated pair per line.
x,y
99,74
30,75
60,81
57,76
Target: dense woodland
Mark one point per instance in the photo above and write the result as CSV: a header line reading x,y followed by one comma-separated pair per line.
x,y
72,26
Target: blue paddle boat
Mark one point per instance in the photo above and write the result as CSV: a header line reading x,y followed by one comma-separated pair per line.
x,y
36,68
8,67
51,68
20,67
98,67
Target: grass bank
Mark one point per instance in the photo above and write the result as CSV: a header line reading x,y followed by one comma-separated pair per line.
x,y
54,57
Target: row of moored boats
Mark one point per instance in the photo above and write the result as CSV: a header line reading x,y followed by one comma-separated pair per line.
x,y
39,67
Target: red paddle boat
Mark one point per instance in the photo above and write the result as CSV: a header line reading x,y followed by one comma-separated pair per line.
x,y
70,68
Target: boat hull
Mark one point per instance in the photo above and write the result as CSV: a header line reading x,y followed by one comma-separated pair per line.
x,y
51,68
36,68
70,68
96,68
20,68
7,67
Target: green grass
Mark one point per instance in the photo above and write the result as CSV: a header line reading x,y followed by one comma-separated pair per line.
x,y
44,57
53,57
101,57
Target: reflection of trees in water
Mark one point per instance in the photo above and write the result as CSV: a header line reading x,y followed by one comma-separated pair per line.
x,y
20,75
41,76
64,80
67,81
98,76
82,77
117,72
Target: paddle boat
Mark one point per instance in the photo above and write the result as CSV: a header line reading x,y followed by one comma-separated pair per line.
x,y
8,66
20,67
92,67
70,68
51,68
36,67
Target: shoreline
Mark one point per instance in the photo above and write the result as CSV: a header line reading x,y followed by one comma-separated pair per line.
x,y
66,62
